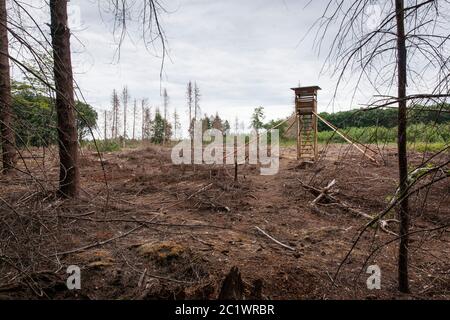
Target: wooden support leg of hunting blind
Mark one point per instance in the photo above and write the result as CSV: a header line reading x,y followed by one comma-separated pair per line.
x,y
316,138
299,139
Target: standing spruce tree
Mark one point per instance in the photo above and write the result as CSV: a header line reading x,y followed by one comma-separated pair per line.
x,y
69,176
7,138
159,125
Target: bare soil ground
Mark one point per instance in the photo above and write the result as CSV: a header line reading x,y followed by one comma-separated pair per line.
x,y
160,231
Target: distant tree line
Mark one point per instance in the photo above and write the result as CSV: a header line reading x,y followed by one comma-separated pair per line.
x,y
386,117
155,128
215,122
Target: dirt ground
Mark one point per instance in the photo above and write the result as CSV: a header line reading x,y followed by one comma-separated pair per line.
x,y
160,231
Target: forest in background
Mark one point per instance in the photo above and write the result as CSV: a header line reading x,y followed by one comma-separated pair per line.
x,y
33,108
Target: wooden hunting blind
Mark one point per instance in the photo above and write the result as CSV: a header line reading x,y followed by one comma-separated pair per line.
x,y
306,118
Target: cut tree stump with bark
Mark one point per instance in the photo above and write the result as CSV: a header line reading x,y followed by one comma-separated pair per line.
x,y
232,286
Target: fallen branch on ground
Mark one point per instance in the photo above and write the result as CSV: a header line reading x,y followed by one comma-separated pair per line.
x,y
274,240
99,243
202,189
332,200
324,192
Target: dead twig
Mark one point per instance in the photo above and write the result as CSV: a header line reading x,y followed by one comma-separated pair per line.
x,y
324,191
274,240
202,189
324,194
98,243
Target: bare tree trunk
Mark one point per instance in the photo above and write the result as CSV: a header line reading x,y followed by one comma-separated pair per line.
x,y
189,102
69,177
7,137
125,98
403,282
114,121
235,159
134,118
196,101
106,136
115,116
166,105
143,118
191,126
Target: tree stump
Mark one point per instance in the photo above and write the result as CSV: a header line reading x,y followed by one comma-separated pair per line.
x,y
233,286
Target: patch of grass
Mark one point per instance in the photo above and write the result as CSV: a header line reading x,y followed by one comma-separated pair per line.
x,y
432,135
103,146
288,142
427,147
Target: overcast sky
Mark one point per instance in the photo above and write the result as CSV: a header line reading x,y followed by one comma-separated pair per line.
x,y
242,54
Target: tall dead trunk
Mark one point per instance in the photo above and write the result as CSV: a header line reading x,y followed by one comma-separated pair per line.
x,y
143,119
115,120
69,177
134,118
7,137
196,101
106,120
125,98
166,105
403,282
191,125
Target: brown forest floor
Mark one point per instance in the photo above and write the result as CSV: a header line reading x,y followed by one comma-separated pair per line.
x,y
181,229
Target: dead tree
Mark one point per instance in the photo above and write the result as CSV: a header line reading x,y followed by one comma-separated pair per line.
x,y
105,125
7,137
401,140
115,114
197,96
407,41
190,101
146,119
166,106
134,119
176,123
147,13
125,98
69,177
143,118
147,123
